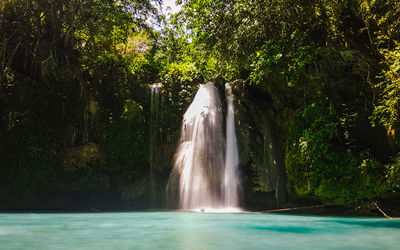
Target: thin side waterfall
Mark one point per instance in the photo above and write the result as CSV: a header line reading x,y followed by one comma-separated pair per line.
x,y
205,181
231,184
154,110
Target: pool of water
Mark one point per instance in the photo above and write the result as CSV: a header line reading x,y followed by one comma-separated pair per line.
x,y
189,230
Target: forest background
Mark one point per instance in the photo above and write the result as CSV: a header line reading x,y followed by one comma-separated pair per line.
x,y
317,88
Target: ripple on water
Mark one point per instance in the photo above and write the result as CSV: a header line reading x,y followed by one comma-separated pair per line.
x,y
286,229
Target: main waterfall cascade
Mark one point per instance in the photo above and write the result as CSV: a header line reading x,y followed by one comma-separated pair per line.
x,y
208,178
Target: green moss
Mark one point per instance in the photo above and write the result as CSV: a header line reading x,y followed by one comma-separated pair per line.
x,y
85,156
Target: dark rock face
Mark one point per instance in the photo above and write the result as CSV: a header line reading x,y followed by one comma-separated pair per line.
x,y
261,150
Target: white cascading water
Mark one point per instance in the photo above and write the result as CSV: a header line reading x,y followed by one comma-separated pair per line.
x,y
231,177
204,181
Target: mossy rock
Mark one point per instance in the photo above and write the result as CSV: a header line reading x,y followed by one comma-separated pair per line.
x,y
82,157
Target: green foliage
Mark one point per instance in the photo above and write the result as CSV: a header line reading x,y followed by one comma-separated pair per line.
x,y
393,173
123,139
178,50
385,17
388,109
183,72
71,91
318,166
291,63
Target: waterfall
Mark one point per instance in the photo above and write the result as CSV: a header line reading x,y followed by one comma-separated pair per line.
x,y
205,181
154,110
231,178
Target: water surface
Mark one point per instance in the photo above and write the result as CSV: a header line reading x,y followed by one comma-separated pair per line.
x,y
185,230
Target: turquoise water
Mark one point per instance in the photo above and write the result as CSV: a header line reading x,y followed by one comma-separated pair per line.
x,y
185,230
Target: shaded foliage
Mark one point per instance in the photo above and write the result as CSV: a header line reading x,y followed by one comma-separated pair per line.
x,y
71,99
